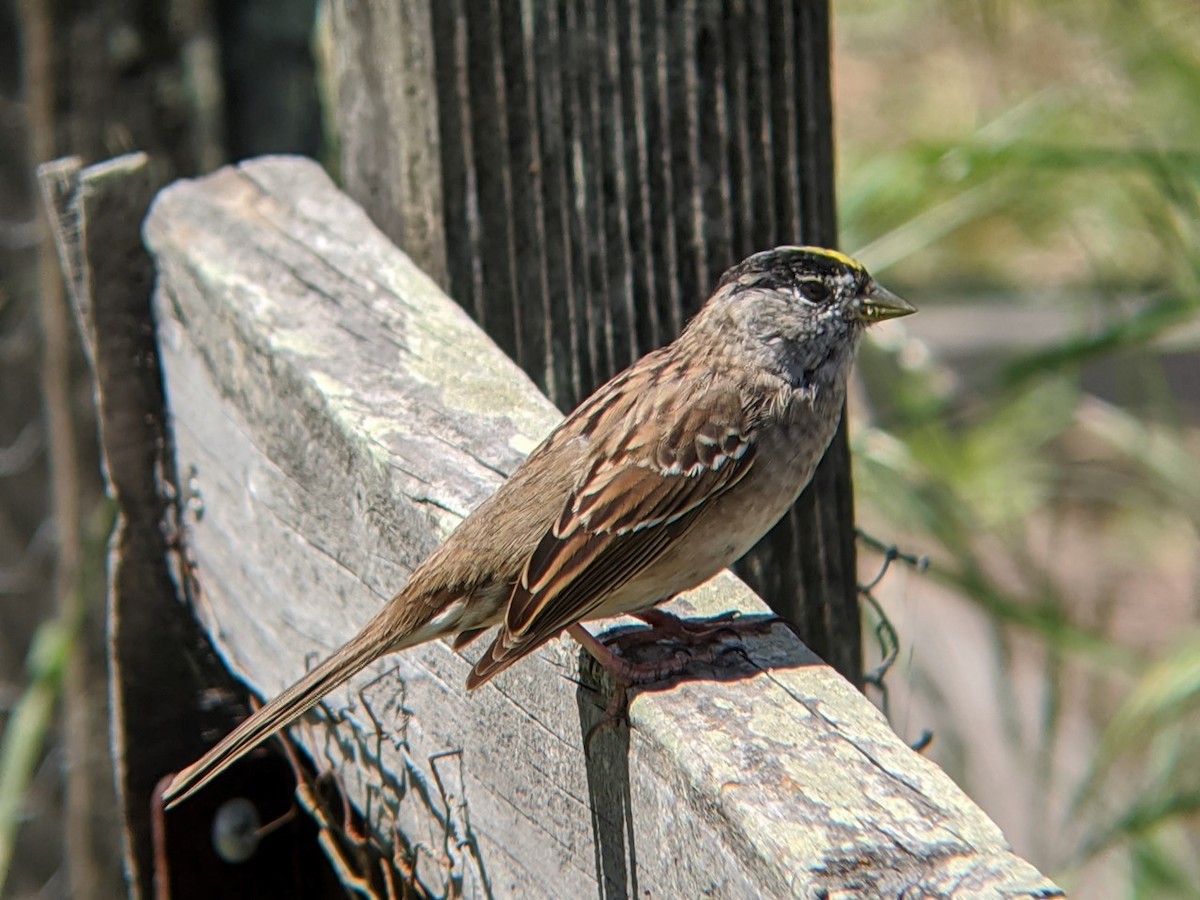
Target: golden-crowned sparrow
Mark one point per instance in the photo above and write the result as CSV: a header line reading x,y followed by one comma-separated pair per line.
x,y
664,476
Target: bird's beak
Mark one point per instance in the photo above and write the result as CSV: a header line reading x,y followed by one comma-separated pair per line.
x,y
878,303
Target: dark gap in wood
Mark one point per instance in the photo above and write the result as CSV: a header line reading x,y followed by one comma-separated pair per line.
x,y
492,168
584,252
454,128
563,351
526,220
740,165
783,118
678,152
616,190
585,63
648,282
763,228
666,247
713,135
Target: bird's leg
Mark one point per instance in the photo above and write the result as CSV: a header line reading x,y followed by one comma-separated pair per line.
x,y
665,626
626,672
668,625
660,618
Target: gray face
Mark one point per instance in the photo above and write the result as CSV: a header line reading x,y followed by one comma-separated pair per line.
x,y
803,309
798,312
798,307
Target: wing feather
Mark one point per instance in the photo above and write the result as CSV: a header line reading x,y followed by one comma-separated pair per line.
x,y
637,500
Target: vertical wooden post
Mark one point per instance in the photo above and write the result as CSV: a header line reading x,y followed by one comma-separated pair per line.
x,y
383,70
597,167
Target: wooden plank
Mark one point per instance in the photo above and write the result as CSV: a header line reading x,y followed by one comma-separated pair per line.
x,y
170,695
338,415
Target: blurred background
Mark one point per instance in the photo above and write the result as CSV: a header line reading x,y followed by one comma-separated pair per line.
x,y
1028,174
1026,171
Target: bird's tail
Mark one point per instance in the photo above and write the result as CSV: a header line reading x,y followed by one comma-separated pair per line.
x,y
350,659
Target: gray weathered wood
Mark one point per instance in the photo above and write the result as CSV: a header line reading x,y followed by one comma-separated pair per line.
x,y
110,294
382,61
338,415
169,693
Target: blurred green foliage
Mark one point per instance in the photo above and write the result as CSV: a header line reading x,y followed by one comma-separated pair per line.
x,y
31,719
1043,156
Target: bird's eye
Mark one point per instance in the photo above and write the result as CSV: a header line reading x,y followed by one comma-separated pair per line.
x,y
816,292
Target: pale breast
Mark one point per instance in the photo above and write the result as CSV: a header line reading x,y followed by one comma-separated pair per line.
x,y
786,457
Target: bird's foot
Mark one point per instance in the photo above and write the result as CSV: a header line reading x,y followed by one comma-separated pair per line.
x,y
625,671
696,642
692,632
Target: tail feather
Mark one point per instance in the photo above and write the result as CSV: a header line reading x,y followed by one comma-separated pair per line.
x,y
349,660
504,651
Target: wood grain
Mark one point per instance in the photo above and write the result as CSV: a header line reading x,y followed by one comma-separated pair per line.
x,y
170,694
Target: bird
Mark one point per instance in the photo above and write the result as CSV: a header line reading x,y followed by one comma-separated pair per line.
x,y
665,475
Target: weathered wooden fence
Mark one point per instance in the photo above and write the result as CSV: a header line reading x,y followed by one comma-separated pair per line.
x,y
332,415
577,174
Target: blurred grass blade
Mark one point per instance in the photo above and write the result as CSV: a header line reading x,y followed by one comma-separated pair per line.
x,y
26,730
1135,331
22,743
1170,463
929,226
1168,689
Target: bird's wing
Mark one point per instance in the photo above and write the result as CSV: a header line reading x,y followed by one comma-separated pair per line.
x,y
642,493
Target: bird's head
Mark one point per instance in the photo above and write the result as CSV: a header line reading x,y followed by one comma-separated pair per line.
x,y
801,309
